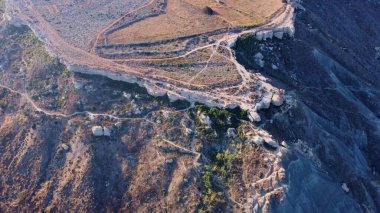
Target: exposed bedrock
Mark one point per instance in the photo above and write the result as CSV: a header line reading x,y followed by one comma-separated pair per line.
x,y
330,67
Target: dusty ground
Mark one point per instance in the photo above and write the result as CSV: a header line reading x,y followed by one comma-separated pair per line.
x,y
184,17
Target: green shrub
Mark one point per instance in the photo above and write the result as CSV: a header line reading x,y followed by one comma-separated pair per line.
x,y
224,164
210,197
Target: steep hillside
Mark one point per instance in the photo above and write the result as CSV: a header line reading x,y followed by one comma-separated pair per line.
x,y
331,67
72,142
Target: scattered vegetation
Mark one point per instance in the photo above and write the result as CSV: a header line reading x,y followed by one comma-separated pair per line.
x,y
33,49
224,167
211,197
2,6
3,103
225,164
223,118
217,115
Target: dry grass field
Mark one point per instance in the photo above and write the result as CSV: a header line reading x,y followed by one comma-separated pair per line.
x,y
187,17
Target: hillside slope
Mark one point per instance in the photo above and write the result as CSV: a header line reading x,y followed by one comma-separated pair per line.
x,y
331,67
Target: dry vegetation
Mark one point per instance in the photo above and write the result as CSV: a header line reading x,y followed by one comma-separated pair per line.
x,y
78,21
187,17
198,68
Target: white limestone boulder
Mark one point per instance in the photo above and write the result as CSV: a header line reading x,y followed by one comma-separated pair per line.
x,y
267,35
278,98
279,34
345,188
65,147
254,116
271,142
106,131
259,36
205,119
97,131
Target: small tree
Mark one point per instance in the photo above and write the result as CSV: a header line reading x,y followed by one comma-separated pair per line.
x,y
209,11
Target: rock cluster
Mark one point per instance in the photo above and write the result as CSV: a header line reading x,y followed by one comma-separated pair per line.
x,y
259,60
277,33
261,137
98,131
273,96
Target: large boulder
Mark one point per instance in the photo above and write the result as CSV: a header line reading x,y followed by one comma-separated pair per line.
x,y
106,131
97,131
269,141
65,147
254,116
278,98
279,34
345,187
205,119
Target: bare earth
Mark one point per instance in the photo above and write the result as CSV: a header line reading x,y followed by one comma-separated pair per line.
x,y
185,17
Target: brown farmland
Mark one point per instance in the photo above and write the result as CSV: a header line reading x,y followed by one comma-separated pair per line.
x,y
187,17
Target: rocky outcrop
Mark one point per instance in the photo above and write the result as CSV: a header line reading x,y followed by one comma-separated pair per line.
x,y
332,151
278,33
98,131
